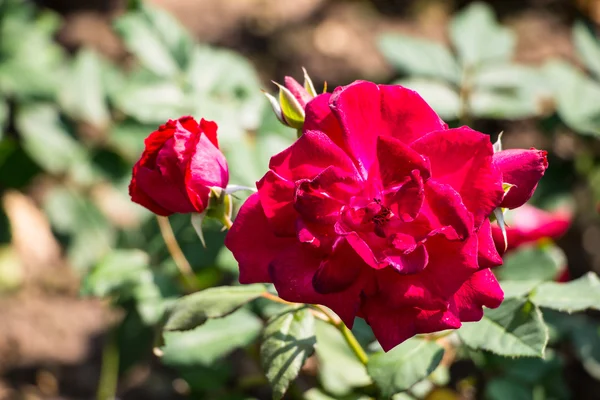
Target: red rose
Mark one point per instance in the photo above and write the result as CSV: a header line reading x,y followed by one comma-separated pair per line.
x,y
378,210
180,163
529,224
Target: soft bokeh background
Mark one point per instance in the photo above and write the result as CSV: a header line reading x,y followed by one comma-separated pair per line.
x,y
85,275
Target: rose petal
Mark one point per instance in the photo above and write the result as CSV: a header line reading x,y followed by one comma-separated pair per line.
x,y
393,326
308,156
487,254
445,208
397,160
462,158
482,289
252,242
277,199
523,169
293,271
339,270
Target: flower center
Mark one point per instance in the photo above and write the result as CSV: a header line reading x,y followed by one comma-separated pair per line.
x,y
372,217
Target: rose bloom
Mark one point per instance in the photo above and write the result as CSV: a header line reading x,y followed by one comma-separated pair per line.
x,y
380,211
180,163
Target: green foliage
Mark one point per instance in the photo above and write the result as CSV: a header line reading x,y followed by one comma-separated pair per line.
x,y
288,340
340,371
195,309
211,341
516,328
480,80
541,263
405,365
577,295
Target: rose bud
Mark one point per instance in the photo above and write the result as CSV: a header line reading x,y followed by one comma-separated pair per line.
x,y
528,224
181,169
522,169
293,98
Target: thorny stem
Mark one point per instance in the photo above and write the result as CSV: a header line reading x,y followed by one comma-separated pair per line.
x,y
184,267
326,315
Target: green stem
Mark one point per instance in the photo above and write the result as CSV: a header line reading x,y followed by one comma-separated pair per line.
x,y
109,374
349,337
184,267
464,116
333,320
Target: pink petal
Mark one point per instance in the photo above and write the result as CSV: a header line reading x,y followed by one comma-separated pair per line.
x,y
252,242
446,208
487,254
407,201
308,156
397,160
339,270
393,326
450,264
209,128
277,199
407,262
482,289
522,168
462,158
319,117
365,111
293,271
297,90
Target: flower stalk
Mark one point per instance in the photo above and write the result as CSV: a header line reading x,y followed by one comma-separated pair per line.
x,y
184,267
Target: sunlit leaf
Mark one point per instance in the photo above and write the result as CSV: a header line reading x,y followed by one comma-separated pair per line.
x,y
404,365
195,309
288,340
588,47
577,295
419,57
516,328
211,341
479,38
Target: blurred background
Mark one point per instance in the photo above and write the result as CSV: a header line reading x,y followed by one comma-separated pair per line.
x,y
85,275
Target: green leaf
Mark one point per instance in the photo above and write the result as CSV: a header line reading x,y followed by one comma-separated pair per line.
x,y
46,140
439,95
83,95
211,341
420,57
404,365
516,328
340,371
513,289
478,38
288,340
585,336
195,309
577,295
509,91
32,62
156,38
152,102
117,273
576,95
588,47
508,389
532,263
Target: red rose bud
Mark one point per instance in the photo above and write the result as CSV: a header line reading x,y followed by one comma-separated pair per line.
x,y
292,100
528,224
179,168
523,169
